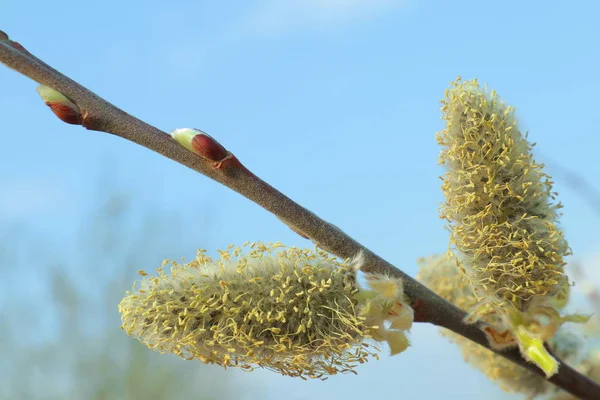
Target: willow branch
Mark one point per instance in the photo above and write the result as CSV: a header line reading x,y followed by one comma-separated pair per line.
x,y
100,115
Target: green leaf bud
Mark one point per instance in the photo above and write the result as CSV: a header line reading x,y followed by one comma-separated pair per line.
x,y
60,105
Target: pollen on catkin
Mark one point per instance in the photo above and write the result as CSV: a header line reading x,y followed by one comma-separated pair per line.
x,y
440,274
499,202
295,311
503,222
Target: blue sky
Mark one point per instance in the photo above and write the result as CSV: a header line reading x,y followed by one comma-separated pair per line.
x,y
335,103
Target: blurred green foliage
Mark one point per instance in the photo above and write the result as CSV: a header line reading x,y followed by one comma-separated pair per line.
x,y
60,334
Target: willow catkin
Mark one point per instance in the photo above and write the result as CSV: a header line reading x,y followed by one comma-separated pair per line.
x,y
503,222
499,202
295,311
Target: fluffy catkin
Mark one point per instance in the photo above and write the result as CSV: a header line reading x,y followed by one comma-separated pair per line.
x,y
291,310
503,223
440,274
498,199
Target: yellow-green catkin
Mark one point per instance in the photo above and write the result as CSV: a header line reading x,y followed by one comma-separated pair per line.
x,y
295,311
440,274
503,222
498,199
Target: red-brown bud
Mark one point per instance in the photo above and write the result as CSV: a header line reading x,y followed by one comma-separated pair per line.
x,y
202,144
60,105
207,147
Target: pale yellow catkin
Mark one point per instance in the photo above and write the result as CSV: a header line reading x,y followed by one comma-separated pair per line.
x,y
295,311
498,199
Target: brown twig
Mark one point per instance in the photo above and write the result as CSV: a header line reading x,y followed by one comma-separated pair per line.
x,y
99,115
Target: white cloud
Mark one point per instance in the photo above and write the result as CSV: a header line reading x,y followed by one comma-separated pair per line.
x,y
271,18
276,17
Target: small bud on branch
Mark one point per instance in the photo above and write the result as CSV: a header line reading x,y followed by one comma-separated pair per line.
x,y
60,105
202,144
